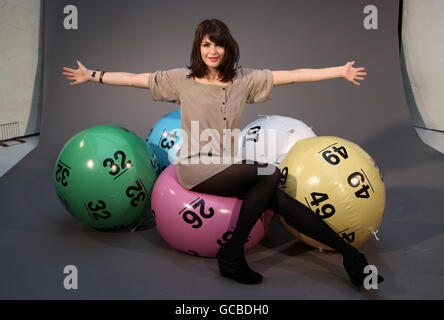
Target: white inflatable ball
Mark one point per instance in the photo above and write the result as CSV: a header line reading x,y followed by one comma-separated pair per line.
x,y
269,138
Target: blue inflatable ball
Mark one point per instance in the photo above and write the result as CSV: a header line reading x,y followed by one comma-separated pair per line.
x,y
165,139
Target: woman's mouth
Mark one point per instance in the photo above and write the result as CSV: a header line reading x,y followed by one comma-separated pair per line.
x,y
213,59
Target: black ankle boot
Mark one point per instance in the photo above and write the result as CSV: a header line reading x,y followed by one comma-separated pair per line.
x,y
237,269
355,269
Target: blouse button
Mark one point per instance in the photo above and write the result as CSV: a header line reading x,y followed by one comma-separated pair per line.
x,y
223,102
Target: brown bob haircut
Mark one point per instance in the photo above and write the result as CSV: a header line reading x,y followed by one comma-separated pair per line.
x,y
217,32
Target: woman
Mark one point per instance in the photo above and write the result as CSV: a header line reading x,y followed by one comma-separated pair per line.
x,y
212,93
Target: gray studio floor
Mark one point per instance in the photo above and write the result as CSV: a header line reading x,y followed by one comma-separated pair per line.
x,y
16,151
43,239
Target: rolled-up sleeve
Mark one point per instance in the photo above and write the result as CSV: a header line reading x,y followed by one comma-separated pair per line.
x,y
260,85
165,85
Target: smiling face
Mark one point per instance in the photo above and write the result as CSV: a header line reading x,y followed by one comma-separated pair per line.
x,y
212,54
215,53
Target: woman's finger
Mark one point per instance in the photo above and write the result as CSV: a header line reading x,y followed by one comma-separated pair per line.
x,y
68,69
361,73
68,73
359,78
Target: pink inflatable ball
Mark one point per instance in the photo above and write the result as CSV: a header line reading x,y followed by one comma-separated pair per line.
x,y
198,223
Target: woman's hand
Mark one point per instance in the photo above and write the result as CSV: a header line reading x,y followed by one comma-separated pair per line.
x,y
352,74
81,75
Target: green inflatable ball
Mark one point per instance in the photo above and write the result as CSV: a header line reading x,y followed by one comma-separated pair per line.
x,y
104,176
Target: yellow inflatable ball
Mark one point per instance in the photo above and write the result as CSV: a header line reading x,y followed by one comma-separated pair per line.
x,y
339,182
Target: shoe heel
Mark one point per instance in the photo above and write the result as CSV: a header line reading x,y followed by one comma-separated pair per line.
x,y
237,269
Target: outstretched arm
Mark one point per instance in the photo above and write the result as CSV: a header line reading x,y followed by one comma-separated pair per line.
x,y
346,71
82,75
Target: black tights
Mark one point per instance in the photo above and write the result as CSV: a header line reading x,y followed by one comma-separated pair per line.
x,y
261,192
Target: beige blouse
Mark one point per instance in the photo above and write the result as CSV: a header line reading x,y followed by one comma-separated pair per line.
x,y
209,116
